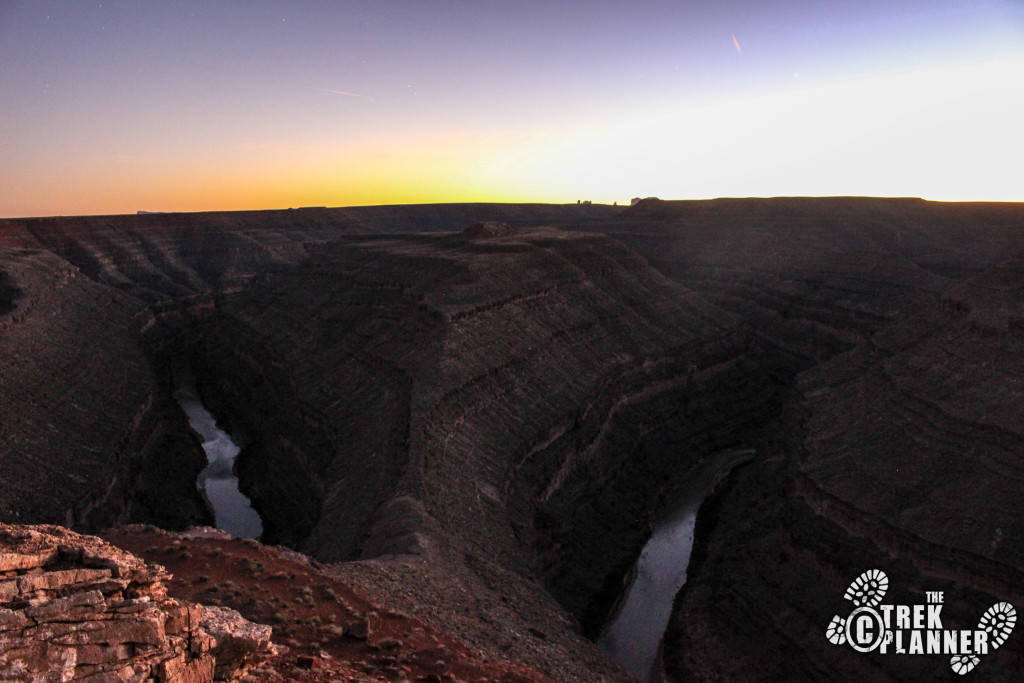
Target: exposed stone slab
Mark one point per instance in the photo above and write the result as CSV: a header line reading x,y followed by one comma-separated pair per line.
x,y
237,638
107,617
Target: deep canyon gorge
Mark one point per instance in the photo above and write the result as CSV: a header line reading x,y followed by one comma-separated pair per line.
x,y
476,413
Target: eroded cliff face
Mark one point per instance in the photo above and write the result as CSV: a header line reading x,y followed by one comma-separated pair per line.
x,y
87,435
94,313
902,454
526,396
342,371
817,276
499,414
905,457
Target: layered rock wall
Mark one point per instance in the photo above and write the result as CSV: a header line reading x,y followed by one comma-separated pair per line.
x,y
903,454
73,608
817,276
87,435
492,383
528,397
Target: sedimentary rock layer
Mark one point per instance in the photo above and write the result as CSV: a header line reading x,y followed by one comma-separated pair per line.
x,y
816,276
87,435
510,405
75,608
478,393
901,454
94,309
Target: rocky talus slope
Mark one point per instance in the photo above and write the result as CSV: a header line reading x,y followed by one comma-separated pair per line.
x,y
73,608
325,627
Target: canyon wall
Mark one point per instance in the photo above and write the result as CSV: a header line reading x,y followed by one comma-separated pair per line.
x,y
905,455
482,386
899,449
87,435
512,406
95,311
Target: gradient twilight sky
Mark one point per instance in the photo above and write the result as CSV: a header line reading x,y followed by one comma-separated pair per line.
x,y
114,106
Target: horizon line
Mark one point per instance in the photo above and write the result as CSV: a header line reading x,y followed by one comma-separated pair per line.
x,y
143,212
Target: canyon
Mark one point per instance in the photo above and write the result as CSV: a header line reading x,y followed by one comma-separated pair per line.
x,y
475,413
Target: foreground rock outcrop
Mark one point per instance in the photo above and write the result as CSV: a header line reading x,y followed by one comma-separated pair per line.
x,y
73,608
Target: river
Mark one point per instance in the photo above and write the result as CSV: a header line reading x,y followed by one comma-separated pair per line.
x,y
633,638
218,483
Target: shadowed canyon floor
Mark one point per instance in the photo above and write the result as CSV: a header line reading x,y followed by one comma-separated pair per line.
x,y
476,427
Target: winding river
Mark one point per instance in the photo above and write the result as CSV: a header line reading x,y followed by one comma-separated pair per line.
x,y
218,483
633,637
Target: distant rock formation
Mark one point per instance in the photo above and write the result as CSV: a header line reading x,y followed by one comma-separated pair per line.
x,y
74,608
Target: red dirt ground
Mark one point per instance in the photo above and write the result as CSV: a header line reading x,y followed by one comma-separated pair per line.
x,y
316,617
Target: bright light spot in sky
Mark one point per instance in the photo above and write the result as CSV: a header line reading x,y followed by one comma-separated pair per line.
x,y
949,133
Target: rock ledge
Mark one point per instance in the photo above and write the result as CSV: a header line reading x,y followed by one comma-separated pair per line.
x,y
75,608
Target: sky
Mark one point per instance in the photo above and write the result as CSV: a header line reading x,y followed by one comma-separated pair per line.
x,y
117,106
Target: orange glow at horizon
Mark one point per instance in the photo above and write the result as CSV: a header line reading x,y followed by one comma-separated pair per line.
x,y
192,106
947,133
275,174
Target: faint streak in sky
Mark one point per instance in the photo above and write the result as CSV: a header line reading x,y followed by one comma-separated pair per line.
x,y
737,44
338,92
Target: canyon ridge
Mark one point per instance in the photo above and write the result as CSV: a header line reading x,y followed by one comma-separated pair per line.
x,y
459,424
